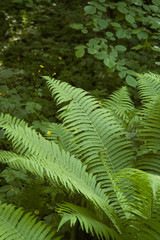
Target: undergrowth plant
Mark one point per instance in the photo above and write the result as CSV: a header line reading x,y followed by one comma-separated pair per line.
x,y
123,35
107,152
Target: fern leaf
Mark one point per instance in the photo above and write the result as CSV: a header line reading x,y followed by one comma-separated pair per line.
x,y
94,129
87,219
16,225
136,186
149,135
120,104
58,134
73,176
149,85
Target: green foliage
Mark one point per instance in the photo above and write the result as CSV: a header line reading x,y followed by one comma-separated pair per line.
x,y
122,34
120,104
88,221
111,163
17,225
104,156
37,41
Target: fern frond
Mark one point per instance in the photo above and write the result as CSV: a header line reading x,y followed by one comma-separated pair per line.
x,y
137,187
58,134
149,135
140,193
148,229
87,219
15,225
94,129
149,85
68,171
24,139
120,104
46,159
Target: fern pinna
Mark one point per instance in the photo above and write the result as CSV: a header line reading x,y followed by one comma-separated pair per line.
x,y
106,151
14,224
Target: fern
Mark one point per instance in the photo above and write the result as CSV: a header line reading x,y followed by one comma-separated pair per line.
x,y
94,129
120,104
87,219
72,176
90,154
58,134
141,191
149,85
17,225
149,134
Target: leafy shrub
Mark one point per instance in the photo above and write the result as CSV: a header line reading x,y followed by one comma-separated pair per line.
x,y
122,34
37,41
106,151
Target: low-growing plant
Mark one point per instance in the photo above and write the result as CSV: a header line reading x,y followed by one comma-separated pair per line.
x,y
122,34
106,152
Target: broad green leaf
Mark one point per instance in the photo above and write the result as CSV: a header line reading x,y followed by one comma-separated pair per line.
x,y
77,26
136,31
109,34
122,9
93,42
131,81
92,50
156,2
90,10
80,51
102,23
129,19
113,54
120,48
142,35
122,74
109,62
84,31
101,55
132,73
121,33
115,24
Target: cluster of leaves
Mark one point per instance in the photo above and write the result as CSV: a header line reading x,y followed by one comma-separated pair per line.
x,y
122,34
35,41
105,154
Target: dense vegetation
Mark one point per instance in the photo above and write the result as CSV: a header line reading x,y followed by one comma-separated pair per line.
x,y
84,162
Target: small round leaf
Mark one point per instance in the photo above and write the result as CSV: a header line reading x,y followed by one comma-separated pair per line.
x,y
120,48
131,81
90,10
